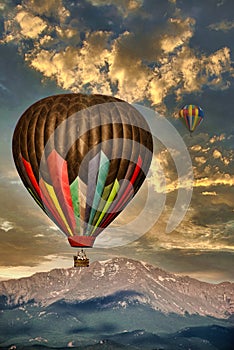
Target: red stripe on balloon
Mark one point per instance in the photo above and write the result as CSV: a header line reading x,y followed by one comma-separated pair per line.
x,y
187,122
31,176
81,241
185,110
41,191
128,192
126,201
200,120
58,172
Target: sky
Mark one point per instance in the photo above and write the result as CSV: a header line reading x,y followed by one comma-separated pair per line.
x,y
157,54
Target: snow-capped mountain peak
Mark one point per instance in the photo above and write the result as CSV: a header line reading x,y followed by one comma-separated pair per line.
x,y
147,284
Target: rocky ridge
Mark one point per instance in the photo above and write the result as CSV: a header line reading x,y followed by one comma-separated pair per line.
x,y
161,290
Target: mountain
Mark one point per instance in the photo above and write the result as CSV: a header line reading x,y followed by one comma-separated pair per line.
x,y
152,286
115,304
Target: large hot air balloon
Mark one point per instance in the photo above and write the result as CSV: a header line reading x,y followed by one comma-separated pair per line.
x,y
191,116
82,158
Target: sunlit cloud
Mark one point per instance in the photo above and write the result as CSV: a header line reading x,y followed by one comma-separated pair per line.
x,y
199,148
217,154
127,72
191,237
75,67
126,64
224,26
50,8
225,179
6,225
196,148
180,32
124,6
200,160
207,193
217,138
31,26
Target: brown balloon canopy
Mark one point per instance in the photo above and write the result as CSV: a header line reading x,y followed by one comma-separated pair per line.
x,y
82,158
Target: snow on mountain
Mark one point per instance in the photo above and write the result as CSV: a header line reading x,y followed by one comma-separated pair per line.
x,y
161,290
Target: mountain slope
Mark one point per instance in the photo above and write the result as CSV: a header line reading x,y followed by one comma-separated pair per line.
x,y
161,290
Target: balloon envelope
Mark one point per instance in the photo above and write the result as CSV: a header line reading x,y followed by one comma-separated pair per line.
x,y
191,116
82,158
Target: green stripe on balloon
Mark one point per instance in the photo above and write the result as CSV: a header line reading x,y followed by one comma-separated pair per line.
x,y
104,166
109,200
75,202
94,165
104,196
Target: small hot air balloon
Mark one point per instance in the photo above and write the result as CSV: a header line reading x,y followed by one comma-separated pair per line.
x,y
191,116
82,158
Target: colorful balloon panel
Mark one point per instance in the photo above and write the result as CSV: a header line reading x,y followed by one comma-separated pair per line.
x,y
82,158
191,116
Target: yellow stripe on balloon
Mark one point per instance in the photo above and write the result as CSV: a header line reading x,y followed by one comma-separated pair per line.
x,y
195,122
109,200
54,198
190,110
104,197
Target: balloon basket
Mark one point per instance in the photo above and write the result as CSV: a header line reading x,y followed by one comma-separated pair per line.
x,y
80,262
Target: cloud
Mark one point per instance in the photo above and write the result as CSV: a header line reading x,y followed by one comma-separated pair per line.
x,y
127,72
75,67
52,8
196,148
125,7
207,193
200,160
191,236
31,26
217,154
199,148
122,60
6,225
213,162
180,32
208,225
211,167
217,138
222,179
224,26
